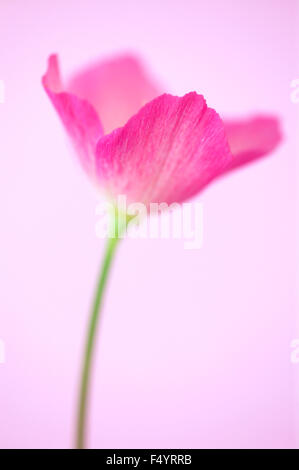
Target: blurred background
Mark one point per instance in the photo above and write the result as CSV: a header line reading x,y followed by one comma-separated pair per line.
x,y
194,346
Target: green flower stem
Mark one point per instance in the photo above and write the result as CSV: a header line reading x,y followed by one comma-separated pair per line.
x,y
90,342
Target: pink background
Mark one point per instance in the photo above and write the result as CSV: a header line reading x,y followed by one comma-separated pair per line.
x,y
194,348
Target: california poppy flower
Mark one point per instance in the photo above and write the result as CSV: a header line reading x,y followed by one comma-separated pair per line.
x,y
150,147
133,141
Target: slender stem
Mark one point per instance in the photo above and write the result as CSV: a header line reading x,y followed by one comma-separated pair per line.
x,y
90,342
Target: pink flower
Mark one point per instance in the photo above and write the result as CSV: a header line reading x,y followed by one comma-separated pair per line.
x,y
151,148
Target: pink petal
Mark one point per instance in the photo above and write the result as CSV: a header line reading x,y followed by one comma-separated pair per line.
x,y
78,116
116,88
252,139
166,153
